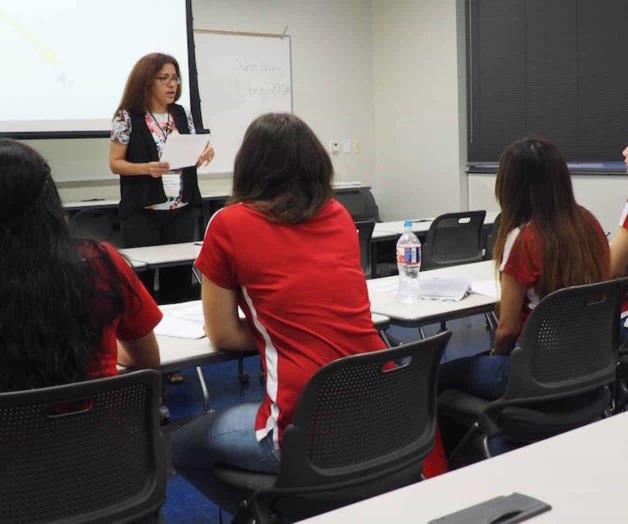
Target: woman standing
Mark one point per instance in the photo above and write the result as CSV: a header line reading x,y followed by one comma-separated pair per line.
x,y
156,206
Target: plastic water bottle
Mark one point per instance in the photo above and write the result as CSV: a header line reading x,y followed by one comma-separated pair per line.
x,y
408,264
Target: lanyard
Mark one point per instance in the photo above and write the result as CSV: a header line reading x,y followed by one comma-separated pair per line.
x,y
165,132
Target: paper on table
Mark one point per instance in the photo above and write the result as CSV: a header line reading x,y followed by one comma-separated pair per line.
x,y
184,320
453,289
173,326
490,288
183,150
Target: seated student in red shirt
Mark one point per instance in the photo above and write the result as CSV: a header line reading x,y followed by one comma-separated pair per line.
x,y
546,241
619,262
287,253
71,310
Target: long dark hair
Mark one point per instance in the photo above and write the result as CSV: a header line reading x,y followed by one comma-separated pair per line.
x,y
48,329
282,169
137,89
534,186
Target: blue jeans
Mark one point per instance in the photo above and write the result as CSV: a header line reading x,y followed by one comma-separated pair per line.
x,y
226,437
481,375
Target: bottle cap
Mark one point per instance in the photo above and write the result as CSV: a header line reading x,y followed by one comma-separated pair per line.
x,y
407,223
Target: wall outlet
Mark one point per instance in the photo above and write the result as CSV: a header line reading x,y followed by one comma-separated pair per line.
x,y
346,145
334,146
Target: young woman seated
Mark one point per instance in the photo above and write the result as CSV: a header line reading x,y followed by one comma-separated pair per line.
x,y
546,241
287,253
72,309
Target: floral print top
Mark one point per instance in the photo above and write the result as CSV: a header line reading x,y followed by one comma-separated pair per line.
x,y
160,125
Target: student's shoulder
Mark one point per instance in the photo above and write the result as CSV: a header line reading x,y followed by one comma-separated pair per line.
x,y
98,253
333,209
233,215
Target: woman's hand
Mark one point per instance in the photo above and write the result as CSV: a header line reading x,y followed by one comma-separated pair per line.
x,y
156,169
206,156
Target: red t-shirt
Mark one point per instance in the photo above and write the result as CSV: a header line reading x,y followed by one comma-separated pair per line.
x,y
523,261
139,316
302,290
623,222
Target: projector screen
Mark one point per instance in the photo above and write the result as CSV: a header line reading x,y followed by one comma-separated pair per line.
x,y
65,62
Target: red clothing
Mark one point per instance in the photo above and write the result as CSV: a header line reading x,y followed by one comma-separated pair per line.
x,y
302,290
522,260
139,317
623,222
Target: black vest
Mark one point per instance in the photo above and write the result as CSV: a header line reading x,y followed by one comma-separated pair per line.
x,y
140,191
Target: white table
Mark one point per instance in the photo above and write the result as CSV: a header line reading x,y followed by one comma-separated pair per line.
x,y
581,474
181,353
165,255
385,302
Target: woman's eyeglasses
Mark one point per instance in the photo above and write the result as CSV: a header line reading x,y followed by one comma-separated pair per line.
x,y
165,80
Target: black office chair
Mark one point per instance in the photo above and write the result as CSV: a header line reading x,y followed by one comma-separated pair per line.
x,y
491,318
362,427
365,232
492,237
560,376
97,224
359,202
84,452
453,239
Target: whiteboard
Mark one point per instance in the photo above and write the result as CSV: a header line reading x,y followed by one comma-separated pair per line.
x,y
240,76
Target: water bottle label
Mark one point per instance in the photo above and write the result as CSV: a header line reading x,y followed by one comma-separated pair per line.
x,y
410,255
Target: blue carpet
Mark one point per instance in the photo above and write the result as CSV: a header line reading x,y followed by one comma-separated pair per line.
x,y
184,503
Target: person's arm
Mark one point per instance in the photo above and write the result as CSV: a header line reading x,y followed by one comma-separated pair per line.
x,y
619,253
224,328
140,353
509,326
120,166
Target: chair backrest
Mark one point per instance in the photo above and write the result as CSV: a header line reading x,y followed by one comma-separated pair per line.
x,y
569,344
365,232
491,238
98,224
84,452
453,238
362,427
359,202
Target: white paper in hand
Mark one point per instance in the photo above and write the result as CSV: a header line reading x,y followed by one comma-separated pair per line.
x,y
183,150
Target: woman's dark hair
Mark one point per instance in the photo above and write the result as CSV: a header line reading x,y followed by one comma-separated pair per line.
x,y
282,169
137,89
48,329
534,186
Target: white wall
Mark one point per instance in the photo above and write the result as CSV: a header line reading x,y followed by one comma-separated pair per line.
x,y
603,195
332,84
418,101
331,65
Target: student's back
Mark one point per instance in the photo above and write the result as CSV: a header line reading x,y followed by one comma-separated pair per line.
x,y
546,241
301,285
